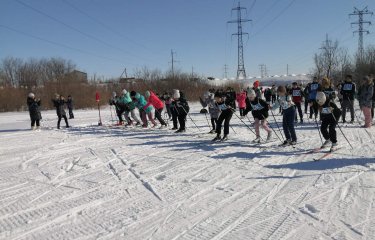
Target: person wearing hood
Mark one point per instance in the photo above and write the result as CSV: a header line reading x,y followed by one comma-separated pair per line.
x,y
347,91
59,103
34,111
365,93
208,99
181,109
140,102
259,109
129,108
168,102
153,100
241,100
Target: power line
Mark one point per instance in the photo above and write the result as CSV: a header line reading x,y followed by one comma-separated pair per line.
x,y
109,28
60,44
275,18
73,28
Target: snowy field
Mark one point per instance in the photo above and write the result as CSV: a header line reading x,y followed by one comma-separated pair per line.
x,y
91,182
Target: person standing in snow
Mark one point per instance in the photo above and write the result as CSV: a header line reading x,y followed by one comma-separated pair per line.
x,y
69,104
153,100
119,110
59,103
259,109
129,107
241,100
289,112
181,109
273,91
226,103
330,115
140,102
168,101
213,109
297,93
347,90
312,89
256,89
268,95
365,93
34,111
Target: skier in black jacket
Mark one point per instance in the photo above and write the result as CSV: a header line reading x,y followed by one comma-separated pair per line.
x,y
34,110
226,103
59,103
348,91
180,109
69,104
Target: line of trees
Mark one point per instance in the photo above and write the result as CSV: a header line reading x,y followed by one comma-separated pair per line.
x,y
45,77
335,62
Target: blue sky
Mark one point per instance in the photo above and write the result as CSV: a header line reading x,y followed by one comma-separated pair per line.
x,y
104,36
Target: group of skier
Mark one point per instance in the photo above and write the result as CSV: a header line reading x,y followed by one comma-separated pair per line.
x,y
176,105
319,96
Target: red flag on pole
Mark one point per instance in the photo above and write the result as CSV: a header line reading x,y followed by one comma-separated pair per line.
x,y
97,97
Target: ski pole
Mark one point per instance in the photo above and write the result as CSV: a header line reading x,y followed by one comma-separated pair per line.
x,y
277,124
246,124
338,125
190,118
208,123
265,119
320,134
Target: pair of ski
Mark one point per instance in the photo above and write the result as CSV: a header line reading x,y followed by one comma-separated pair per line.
x,y
323,153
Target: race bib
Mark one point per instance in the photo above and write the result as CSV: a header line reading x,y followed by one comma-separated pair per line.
x,y
257,107
347,87
314,87
326,110
296,93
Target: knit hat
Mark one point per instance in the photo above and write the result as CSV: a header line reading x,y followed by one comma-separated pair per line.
x,y
251,93
147,94
256,84
124,92
321,98
31,95
176,93
133,93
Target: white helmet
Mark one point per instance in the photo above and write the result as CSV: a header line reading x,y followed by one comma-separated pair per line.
x,y
31,95
321,98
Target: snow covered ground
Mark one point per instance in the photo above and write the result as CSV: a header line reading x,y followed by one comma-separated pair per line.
x,y
91,182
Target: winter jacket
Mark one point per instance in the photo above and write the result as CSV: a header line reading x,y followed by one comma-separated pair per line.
x,y
258,107
329,92
284,102
154,101
296,94
241,99
365,94
126,102
59,105
141,102
347,90
268,95
230,99
213,108
181,106
34,109
329,111
312,89
69,103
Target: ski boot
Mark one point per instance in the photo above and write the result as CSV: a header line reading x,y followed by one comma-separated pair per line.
x,y
256,140
326,143
225,138
333,147
217,138
269,137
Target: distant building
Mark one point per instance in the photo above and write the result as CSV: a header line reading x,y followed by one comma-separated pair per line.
x,y
77,76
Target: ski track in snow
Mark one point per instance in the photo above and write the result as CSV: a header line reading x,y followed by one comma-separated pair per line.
x,y
91,182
